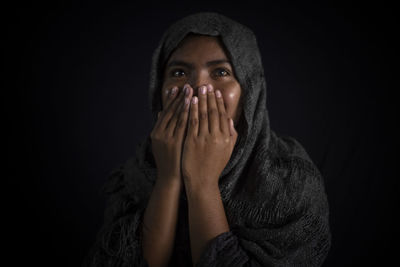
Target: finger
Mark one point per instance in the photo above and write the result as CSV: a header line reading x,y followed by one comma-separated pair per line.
x,y
193,128
203,115
232,131
183,115
167,114
172,123
213,115
224,121
171,95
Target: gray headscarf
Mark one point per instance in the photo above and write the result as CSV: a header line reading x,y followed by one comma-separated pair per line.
x,y
241,45
273,194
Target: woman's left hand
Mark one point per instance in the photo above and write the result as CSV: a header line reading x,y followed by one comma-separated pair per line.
x,y
209,142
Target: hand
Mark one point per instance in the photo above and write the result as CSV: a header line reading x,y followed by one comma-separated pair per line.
x,y
168,134
210,140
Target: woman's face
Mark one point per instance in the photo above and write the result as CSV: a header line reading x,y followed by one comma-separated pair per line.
x,y
201,60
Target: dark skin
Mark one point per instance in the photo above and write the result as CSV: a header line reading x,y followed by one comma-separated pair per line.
x,y
192,142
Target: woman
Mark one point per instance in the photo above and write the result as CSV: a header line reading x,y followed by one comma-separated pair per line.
x,y
213,185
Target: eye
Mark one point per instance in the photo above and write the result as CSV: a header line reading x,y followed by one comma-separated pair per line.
x,y
222,72
177,73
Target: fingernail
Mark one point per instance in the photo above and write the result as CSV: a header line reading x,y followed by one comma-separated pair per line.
x,y
187,101
218,93
210,88
194,100
203,90
187,91
174,90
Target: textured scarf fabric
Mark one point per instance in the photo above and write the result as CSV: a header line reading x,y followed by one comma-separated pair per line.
x,y
273,194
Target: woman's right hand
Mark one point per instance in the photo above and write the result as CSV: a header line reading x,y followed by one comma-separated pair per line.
x,y
169,132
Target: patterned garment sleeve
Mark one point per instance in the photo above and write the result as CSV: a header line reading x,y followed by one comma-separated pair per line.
x,y
119,241
300,235
225,249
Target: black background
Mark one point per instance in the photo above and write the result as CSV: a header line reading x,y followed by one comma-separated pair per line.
x,y
76,105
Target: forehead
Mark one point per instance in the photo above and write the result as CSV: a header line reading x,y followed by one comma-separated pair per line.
x,y
199,48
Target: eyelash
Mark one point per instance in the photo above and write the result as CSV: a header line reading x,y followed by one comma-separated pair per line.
x,y
173,72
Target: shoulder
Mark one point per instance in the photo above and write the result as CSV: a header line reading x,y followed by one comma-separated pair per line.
x,y
287,158
281,180
292,180
281,160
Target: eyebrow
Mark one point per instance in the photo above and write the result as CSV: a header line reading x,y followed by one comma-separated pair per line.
x,y
191,66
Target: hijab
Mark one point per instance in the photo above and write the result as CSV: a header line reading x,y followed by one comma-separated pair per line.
x,y
273,194
241,46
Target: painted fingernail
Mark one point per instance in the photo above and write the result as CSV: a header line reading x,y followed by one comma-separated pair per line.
x,y
194,100
203,89
218,93
210,88
187,91
174,90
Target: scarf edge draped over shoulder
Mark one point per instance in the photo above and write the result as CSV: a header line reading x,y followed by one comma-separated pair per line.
x,y
273,194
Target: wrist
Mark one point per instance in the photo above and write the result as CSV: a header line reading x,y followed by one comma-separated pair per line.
x,y
169,181
199,186
202,195
169,176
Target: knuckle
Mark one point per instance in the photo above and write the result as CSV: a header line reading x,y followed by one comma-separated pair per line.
x,y
203,116
214,140
222,114
169,141
194,121
213,111
200,140
180,124
154,136
192,138
172,122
